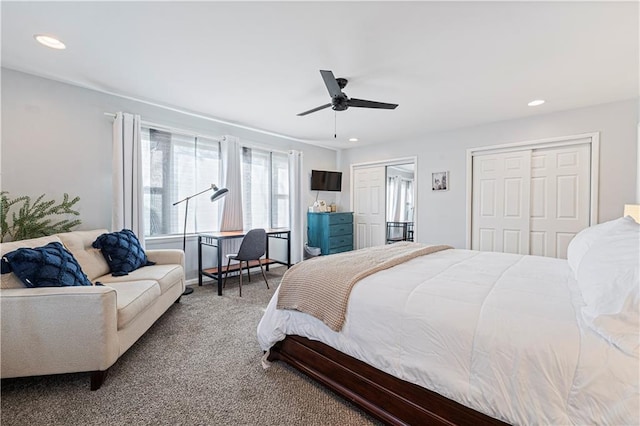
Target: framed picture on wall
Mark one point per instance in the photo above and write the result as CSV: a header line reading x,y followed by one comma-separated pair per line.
x,y
440,181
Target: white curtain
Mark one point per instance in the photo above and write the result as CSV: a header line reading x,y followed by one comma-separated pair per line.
x,y
231,218
400,196
393,197
128,209
409,202
295,205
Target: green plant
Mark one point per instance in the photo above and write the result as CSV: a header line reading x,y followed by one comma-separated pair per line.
x,y
33,219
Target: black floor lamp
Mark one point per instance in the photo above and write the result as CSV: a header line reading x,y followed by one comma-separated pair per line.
x,y
217,194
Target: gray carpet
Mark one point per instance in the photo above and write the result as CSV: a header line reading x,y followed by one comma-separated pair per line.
x,y
199,364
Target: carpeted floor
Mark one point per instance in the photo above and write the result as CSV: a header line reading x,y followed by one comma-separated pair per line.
x,y
199,364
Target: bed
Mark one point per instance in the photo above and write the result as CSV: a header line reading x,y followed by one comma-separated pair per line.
x,y
468,337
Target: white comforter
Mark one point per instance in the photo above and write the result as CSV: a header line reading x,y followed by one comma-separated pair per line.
x,y
499,333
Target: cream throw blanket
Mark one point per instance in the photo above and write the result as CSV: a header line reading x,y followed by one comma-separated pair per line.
x,y
321,286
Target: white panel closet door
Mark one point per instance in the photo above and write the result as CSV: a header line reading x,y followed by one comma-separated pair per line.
x,y
501,202
369,206
560,197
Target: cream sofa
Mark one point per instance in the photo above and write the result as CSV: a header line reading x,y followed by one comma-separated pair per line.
x,y
55,330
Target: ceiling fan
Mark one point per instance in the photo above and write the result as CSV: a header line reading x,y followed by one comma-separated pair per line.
x,y
339,100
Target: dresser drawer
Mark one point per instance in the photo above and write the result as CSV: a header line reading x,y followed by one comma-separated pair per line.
x,y
341,229
342,240
340,218
342,249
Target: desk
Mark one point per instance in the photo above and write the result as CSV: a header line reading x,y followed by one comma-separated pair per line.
x,y
399,231
213,239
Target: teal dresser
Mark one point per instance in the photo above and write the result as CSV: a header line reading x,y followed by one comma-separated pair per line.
x,y
332,232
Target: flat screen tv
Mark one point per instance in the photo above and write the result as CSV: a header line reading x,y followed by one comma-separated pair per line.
x,y
323,180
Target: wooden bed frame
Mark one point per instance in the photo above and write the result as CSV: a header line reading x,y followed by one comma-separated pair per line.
x,y
387,398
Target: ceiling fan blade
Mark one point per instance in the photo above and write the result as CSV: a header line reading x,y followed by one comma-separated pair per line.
x,y
331,83
314,110
361,103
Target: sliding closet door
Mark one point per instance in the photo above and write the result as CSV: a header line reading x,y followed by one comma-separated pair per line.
x,y
369,188
560,197
501,202
531,201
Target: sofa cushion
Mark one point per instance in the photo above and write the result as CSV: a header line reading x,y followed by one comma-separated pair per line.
x,y
90,259
11,280
166,276
123,251
133,297
48,266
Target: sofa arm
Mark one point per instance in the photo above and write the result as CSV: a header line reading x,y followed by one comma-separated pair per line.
x,y
57,330
166,256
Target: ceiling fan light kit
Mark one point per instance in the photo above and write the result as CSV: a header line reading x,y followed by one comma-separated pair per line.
x,y
340,101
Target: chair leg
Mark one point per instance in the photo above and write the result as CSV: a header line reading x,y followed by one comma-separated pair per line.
x,y
240,286
263,275
226,274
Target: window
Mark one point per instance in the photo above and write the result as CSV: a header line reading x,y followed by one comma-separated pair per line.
x,y
176,166
265,189
279,190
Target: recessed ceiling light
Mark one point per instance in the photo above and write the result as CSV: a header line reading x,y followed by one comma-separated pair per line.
x,y
353,139
536,102
49,41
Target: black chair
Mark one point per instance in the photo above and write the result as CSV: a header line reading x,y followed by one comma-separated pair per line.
x,y
253,247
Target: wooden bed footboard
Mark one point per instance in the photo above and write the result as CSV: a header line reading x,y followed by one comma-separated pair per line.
x,y
387,398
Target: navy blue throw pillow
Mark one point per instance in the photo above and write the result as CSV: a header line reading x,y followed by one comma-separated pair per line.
x,y
48,266
123,252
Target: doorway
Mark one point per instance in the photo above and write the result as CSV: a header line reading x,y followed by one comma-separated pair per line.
x,y
400,202
383,193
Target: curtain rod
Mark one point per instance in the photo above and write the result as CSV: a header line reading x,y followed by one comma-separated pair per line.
x,y
179,131
252,145
170,129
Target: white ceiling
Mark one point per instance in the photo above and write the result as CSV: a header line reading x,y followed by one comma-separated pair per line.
x,y
447,64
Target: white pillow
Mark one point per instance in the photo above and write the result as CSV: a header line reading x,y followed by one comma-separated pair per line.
x,y
586,238
609,279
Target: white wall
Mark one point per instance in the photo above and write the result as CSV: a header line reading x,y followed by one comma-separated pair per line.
x,y
441,216
56,139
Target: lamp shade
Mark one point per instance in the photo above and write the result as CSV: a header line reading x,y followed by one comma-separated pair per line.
x,y
632,210
219,193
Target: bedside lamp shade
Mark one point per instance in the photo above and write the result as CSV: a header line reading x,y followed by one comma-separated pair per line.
x,y
632,210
